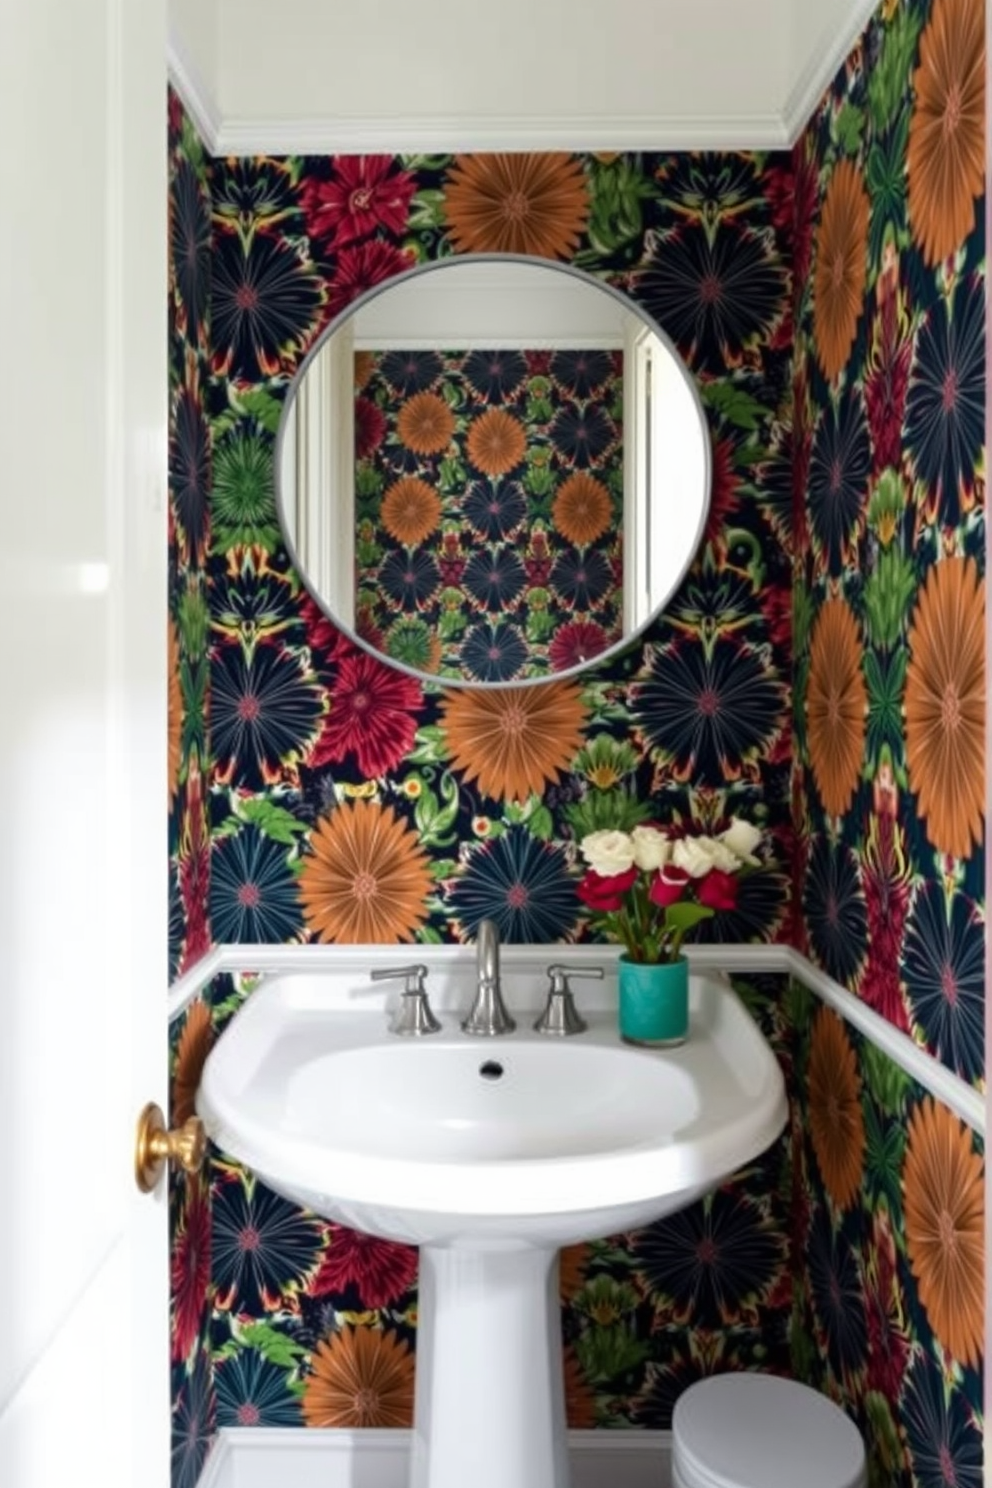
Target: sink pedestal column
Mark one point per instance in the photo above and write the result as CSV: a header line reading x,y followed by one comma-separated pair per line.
x,y
490,1407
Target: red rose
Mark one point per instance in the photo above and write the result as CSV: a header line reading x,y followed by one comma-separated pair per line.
x,y
718,890
605,893
668,886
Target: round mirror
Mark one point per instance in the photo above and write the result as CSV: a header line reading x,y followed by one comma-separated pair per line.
x,y
493,470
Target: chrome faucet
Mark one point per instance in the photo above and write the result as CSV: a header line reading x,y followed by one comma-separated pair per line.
x,y
489,1015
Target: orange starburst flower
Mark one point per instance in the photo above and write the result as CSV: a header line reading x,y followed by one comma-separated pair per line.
x,y
359,1377
425,424
841,267
581,509
366,878
836,705
837,1122
943,1183
195,1043
411,510
496,442
945,705
516,740
535,204
945,160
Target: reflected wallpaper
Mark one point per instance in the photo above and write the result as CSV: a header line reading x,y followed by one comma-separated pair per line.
x,y
820,671
489,493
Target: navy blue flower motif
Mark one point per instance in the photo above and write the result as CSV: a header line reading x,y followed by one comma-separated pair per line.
x,y
522,884
710,709
582,436
262,710
409,372
838,1296
839,468
945,406
495,375
494,511
493,652
266,301
189,466
252,890
945,1440
495,578
193,1415
834,905
189,233
944,970
582,373
263,1247
409,578
713,1263
252,1391
582,579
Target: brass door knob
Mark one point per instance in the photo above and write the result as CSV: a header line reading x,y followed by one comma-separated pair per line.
x,y
155,1145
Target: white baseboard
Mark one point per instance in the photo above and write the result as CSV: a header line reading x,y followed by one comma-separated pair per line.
x,y
260,1457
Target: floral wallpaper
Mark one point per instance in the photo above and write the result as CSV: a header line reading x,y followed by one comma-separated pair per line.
x,y
887,1214
888,711
820,671
889,697
489,492
190,503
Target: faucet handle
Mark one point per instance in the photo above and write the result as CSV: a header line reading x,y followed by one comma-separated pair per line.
x,y
414,1015
560,1016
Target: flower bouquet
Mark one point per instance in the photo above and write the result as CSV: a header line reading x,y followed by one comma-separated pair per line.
x,y
646,889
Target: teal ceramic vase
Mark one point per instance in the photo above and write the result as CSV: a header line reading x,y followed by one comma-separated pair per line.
x,y
654,1002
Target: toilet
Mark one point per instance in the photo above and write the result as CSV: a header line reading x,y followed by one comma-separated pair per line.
x,y
759,1431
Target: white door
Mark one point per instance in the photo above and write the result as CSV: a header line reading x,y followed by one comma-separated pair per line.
x,y
83,390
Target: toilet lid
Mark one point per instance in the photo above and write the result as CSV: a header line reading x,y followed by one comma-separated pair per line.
x,y
758,1431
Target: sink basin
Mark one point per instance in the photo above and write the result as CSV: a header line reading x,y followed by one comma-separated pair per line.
x,y
489,1154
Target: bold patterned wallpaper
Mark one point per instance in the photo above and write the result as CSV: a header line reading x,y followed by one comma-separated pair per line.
x,y
489,525
322,755
889,697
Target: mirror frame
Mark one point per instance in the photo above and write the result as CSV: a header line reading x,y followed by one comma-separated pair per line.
x,y
627,303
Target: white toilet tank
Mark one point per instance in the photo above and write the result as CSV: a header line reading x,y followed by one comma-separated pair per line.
x,y
759,1431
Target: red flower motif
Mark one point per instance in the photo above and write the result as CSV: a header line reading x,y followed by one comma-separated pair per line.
x,y
364,193
360,267
538,571
370,427
605,894
380,1270
194,872
724,498
190,1271
371,716
886,886
718,890
886,382
574,644
668,886
805,185
327,643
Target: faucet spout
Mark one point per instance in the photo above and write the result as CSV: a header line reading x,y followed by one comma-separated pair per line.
x,y
488,1016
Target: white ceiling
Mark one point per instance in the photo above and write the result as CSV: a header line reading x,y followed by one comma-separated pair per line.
x,y
438,75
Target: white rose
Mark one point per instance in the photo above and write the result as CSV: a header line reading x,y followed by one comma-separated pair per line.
x,y
652,848
742,838
608,853
698,855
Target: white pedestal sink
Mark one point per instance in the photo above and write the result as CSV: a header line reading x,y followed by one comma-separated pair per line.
x,y
490,1154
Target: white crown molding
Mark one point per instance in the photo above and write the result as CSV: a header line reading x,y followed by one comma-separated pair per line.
x,y
197,98
450,134
963,1099
309,1457
818,73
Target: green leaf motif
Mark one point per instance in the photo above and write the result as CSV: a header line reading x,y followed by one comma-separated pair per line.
x,y
736,406
427,210
261,405
886,1082
617,189
887,594
889,81
886,681
847,127
271,820
542,824
278,1348
431,746
885,174
885,1146
606,1353
606,811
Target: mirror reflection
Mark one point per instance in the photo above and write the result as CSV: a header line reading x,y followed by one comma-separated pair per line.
x,y
493,471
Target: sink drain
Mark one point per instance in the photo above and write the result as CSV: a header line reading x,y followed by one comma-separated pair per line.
x,y
491,1070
